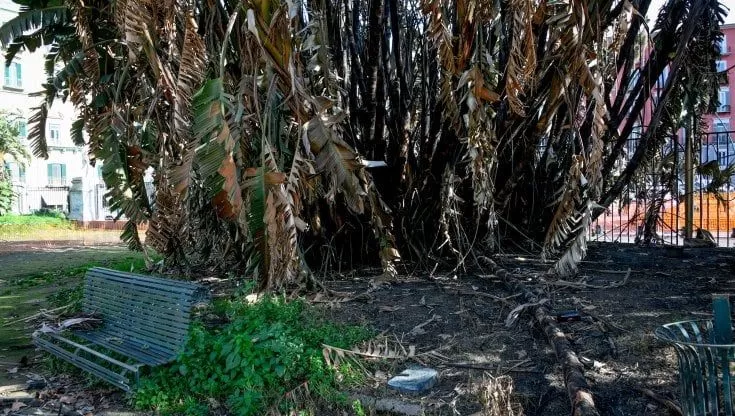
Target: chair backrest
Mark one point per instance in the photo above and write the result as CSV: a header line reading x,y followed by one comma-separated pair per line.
x,y
150,310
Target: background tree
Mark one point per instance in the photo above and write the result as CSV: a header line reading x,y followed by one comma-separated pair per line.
x,y
498,122
11,150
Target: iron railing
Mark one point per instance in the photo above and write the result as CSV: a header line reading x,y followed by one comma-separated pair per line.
x,y
714,209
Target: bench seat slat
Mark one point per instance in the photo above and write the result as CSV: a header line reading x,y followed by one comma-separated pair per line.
x,y
117,318
116,288
178,319
123,330
132,300
132,297
145,318
141,324
149,356
132,279
180,284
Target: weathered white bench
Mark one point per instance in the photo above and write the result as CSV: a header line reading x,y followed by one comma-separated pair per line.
x,y
145,320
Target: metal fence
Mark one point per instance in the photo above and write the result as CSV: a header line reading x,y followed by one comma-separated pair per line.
x,y
30,200
659,191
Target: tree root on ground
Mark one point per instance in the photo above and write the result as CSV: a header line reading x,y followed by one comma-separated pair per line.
x,y
579,392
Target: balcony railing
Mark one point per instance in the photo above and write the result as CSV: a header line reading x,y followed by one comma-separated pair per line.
x,y
723,108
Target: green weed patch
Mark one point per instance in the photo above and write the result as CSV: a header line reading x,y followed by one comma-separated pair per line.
x,y
268,354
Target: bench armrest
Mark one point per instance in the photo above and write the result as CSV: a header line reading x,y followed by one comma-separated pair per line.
x,y
133,368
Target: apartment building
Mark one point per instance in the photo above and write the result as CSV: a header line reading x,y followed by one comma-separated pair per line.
x,y
44,183
719,142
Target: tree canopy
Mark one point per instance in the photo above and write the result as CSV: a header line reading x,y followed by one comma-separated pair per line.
x,y
265,121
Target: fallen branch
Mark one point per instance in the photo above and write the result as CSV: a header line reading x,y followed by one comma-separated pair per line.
x,y
389,405
498,369
487,295
583,285
42,313
579,392
673,407
607,271
419,329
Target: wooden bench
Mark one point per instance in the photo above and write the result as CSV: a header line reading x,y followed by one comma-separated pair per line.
x,y
145,321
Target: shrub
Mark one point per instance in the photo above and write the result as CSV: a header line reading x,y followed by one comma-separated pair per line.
x,y
267,353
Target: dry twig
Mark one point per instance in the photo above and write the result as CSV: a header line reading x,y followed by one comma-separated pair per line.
x,y
673,407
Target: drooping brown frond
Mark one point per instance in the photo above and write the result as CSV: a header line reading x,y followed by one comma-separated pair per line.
x,y
81,15
440,35
281,230
190,77
522,61
570,224
336,158
214,156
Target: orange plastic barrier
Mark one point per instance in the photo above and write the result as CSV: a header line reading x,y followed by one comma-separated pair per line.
x,y
709,213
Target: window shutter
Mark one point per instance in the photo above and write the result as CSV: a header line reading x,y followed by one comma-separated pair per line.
x,y
18,75
63,174
50,168
7,75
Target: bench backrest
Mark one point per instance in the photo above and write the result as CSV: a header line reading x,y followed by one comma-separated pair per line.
x,y
150,310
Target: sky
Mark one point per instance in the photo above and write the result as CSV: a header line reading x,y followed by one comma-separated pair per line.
x,y
656,4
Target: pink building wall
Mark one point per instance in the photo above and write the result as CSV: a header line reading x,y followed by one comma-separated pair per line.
x,y
724,118
720,146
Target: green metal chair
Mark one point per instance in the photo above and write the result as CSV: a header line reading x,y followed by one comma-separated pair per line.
x,y
705,366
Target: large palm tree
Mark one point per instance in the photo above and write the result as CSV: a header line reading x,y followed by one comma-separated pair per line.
x,y
258,117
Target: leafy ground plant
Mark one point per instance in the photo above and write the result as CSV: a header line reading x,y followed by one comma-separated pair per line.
x,y
267,358
23,225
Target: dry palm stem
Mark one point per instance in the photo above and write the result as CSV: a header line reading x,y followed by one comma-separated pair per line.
x,y
578,390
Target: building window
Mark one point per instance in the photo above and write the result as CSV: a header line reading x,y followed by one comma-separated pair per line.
x,y
724,100
22,128
721,66
722,132
722,157
54,133
56,174
14,75
724,49
17,172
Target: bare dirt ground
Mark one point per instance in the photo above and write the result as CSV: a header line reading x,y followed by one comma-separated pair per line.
x,y
463,319
456,323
